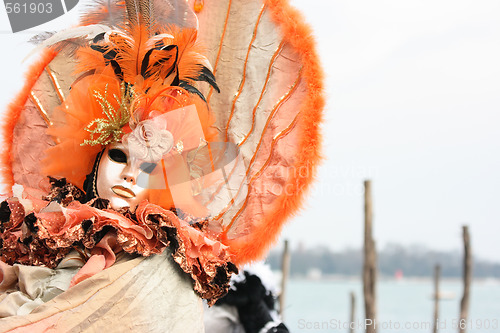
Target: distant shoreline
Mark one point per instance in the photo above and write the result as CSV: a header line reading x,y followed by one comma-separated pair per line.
x,y
424,279
394,260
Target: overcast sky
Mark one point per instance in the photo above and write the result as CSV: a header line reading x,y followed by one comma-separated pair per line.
x,y
413,92
414,104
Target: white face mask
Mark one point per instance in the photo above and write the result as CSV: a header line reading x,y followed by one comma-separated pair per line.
x,y
117,177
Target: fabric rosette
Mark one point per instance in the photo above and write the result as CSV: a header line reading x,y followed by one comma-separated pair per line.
x,y
150,140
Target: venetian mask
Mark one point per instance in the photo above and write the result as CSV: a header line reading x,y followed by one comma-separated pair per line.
x,y
127,169
122,178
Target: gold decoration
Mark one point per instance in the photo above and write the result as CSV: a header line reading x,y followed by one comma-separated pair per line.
x,y
34,98
55,83
105,131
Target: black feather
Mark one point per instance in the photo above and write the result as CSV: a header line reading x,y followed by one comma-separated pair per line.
x,y
106,52
117,69
169,48
99,37
159,44
176,80
145,61
174,66
207,76
191,89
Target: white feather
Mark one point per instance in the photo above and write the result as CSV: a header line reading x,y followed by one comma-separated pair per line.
x,y
121,33
260,269
86,32
157,38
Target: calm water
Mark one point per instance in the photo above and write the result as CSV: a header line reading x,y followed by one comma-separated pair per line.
x,y
403,306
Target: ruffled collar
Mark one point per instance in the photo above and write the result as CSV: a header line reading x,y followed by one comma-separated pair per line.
x,y
42,232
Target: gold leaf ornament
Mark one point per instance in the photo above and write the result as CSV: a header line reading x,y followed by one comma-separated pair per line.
x,y
104,131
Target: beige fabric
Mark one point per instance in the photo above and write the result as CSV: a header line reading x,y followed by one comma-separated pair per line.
x,y
30,138
24,288
259,75
134,295
222,319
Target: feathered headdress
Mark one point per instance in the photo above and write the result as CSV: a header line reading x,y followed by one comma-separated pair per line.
x,y
134,71
133,60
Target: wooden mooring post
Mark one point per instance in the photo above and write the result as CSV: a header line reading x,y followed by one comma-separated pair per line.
x,y
353,313
467,278
285,271
437,274
369,264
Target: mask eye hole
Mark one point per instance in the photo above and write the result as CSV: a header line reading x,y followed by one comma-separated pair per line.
x,y
117,155
147,167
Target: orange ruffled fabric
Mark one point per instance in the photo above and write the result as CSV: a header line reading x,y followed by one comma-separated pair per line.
x,y
45,237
